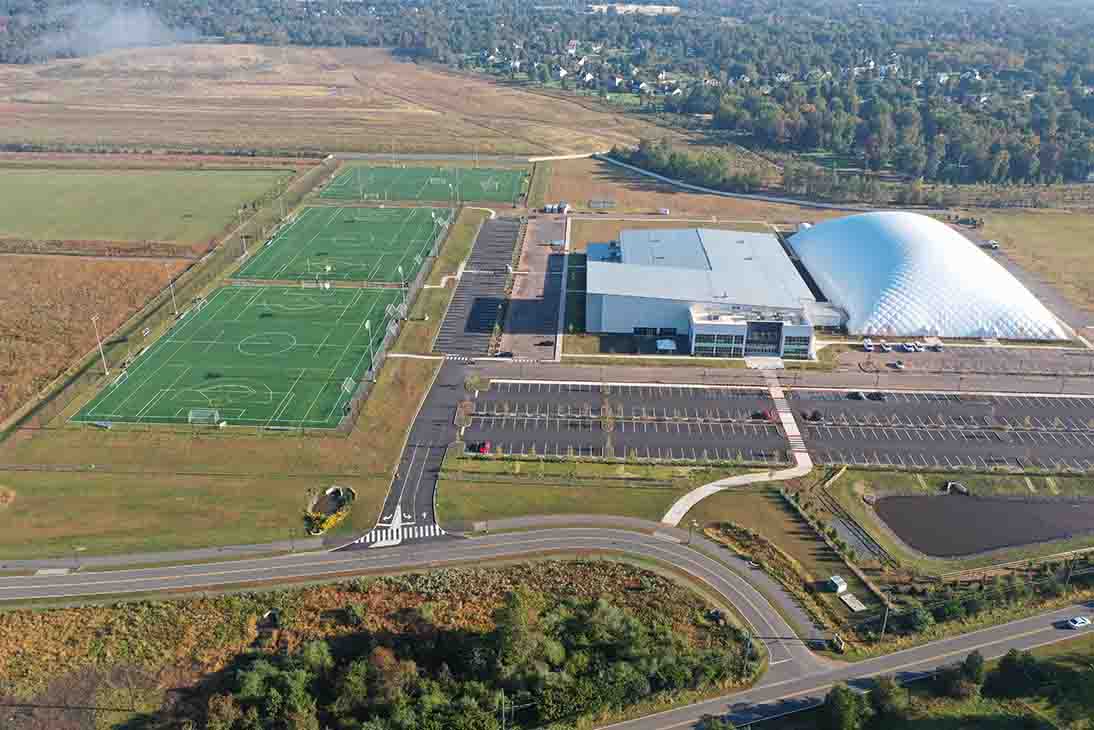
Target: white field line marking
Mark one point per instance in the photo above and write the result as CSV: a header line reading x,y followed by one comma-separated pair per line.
x,y
252,263
306,246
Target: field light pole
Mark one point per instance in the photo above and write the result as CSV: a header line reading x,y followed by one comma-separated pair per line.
x,y
171,284
402,282
368,328
99,339
691,528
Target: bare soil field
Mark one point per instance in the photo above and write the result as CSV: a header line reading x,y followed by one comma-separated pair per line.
x,y
45,306
217,97
579,181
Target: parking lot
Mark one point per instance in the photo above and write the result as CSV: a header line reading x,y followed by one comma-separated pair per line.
x,y
947,430
650,422
974,359
941,410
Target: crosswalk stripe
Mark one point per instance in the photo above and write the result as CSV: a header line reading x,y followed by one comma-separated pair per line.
x,y
409,532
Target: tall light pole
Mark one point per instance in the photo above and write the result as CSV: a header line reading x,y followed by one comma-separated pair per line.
x,y
171,285
402,283
691,528
99,339
368,329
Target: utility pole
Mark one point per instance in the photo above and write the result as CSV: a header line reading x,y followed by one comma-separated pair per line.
x,y
885,620
402,283
171,285
99,339
368,329
691,529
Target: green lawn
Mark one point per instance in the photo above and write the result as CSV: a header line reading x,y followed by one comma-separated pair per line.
x,y
254,356
183,206
350,244
481,489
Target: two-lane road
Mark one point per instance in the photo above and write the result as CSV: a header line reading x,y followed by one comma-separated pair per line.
x,y
796,678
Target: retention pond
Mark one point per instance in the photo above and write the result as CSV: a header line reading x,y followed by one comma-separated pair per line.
x,y
952,525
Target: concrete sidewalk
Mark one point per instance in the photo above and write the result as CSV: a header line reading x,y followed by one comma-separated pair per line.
x,y
803,464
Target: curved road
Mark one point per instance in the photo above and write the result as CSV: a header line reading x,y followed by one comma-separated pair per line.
x,y
795,679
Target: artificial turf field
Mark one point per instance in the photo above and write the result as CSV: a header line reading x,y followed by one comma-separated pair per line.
x,y
455,184
350,244
258,356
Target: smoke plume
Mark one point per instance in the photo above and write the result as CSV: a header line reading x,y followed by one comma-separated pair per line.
x,y
92,27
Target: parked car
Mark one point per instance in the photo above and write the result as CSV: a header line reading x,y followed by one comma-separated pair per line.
x,y
856,395
993,245
899,365
867,346
1078,622
919,347
908,347
878,396
938,347
478,447
886,347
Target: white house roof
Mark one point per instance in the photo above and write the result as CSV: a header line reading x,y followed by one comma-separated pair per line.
x,y
898,273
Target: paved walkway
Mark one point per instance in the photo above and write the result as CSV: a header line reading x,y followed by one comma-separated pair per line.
x,y
803,464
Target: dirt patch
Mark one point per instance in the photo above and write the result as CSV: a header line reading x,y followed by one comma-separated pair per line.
x,y
951,526
7,496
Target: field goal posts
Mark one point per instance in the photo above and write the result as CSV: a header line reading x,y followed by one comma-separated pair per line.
x,y
438,181
203,417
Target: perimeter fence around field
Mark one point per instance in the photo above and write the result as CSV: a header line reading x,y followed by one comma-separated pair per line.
x,y
149,322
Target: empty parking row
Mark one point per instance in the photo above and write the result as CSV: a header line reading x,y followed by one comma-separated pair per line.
x,y
1020,400
942,420
926,460
540,409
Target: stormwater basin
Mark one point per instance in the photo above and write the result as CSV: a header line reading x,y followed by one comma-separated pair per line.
x,y
953,525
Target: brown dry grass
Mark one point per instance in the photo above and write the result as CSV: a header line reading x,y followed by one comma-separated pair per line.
x,y
228,96
1054,245
578,181
45,305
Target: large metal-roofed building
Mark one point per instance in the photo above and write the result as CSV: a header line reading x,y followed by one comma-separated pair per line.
x,y
732,293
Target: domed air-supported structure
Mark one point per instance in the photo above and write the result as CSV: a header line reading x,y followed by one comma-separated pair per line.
x,y
897,273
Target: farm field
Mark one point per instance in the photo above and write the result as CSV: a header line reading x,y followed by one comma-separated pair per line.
x,y
579,181
178,206
420,183
256,356
45,307
350,244
209,97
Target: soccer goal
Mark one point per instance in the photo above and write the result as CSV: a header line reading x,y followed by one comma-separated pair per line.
x,y
203,417
438,181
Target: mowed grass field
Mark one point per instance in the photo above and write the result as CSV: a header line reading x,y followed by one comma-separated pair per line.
x,y
254,356
182,206
417,183
45,307
350,244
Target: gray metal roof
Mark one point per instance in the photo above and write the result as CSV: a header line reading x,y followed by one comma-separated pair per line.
x,y
701,265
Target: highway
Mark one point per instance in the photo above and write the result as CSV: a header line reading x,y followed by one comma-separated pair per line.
x,y
795,678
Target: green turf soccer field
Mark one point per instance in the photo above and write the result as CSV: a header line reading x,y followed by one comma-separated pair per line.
x,y
350,244
273,356
449,184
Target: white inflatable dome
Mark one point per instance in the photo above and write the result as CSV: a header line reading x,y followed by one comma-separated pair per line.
x,y
897,273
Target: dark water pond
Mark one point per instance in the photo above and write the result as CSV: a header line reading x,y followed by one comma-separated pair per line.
x,y
951,525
